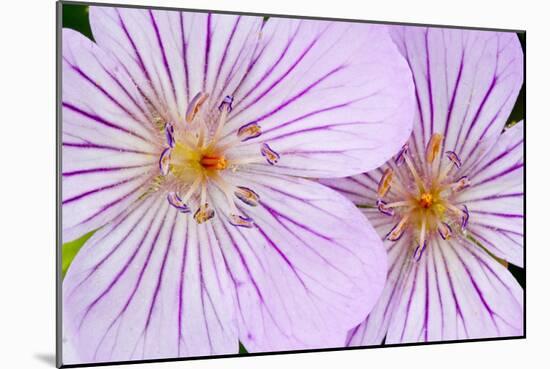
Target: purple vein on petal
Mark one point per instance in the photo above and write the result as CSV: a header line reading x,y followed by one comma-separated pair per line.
x,y
160,275
100,189
114,202
102,90
181,283
226,49
491,312
124,268
100,120
104,147
115,223
207,49
136,287
163,52
123,88
266,74
184,57
103,169
453,292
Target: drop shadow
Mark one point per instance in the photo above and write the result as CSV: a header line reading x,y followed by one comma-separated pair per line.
x,y
46,358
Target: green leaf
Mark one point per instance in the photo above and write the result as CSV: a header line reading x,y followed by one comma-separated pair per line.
x,y
76,17
242,350
69,251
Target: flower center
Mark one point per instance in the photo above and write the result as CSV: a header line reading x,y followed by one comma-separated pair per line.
x,y
421,194
426,200
200,159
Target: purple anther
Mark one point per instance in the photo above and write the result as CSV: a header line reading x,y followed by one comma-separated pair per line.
x,y
445,232
383,208
391,236
174,200
164,161
271,156
400,157
454,158
227,102
169,130
465,216
248,196
419,251
241,221
249,131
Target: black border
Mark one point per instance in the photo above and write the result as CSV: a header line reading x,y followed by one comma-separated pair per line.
x,y
59,313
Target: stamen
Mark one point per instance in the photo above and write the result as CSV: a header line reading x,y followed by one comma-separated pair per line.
x,y
385,182
169,129
191,190
434,147
203,214
412,169
462,183
195,105
164,161
241,221
454,161
249,131
227,103
225,109
465,217
400,157
247,196
174,200
419,251
453,157
445,230
383,208
398,230
271,156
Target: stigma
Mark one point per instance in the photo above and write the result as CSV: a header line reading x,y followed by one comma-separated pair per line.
x,y
420,193
200,157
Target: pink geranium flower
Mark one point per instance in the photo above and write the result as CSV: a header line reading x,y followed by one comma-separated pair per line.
x,y
451,201
186,142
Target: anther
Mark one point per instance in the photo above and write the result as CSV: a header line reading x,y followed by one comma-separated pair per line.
x,y
383,208
169,129
175,200
195,105
247,196
164,161
398,230
249,131
453,157
271,156
203,214
465,217
227,102
434,147
385,182
462,183
241,221
400,157
445,231
419,251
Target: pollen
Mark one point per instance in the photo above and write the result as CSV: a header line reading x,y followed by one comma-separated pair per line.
x,y
426,200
